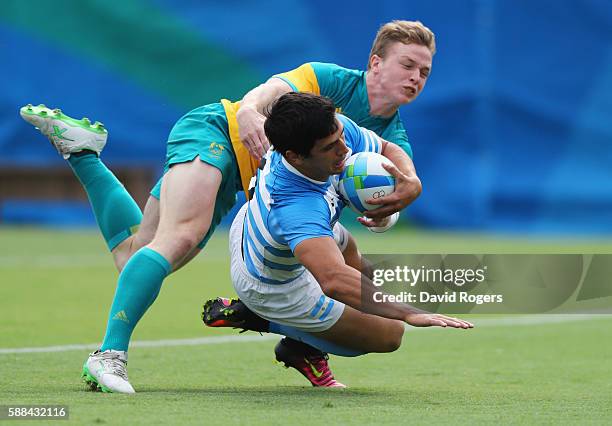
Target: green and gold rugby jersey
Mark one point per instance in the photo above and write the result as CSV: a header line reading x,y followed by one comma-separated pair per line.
x,y
346,87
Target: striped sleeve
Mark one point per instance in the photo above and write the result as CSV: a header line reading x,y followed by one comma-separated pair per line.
x,y
291,224
360,139
373,142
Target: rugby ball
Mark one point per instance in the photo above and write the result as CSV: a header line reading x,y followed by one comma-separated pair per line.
x,y
364,178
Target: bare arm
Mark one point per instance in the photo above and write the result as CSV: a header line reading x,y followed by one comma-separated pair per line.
x,y
339,281
250,115
407,185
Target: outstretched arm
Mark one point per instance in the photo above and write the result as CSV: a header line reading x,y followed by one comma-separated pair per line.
x,y
339,281
251,118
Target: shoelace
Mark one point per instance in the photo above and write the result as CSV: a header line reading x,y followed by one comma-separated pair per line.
x,y
319,362
115,364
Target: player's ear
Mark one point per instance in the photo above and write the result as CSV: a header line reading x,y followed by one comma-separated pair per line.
x,y
374,62
293,158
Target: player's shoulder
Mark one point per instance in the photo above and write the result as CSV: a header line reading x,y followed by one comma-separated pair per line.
x,y
345,120
335,69
283,183
298,205
350,127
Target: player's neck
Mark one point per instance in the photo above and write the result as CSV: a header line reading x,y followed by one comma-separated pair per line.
x,y
305,172
379,105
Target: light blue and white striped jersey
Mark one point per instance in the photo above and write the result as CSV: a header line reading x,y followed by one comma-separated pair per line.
x,y
288,208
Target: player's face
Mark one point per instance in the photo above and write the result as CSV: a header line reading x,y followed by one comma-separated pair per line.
x,y
327,156
403,71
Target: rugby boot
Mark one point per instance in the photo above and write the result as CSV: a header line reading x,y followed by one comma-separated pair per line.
x,y
223,312
65,133
107,372
309,361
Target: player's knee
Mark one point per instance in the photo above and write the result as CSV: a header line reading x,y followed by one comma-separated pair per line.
x,y
122,253
175,245
185,242
393,337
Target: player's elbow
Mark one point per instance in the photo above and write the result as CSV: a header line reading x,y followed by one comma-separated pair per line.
x,y
331,284
417,187
330,288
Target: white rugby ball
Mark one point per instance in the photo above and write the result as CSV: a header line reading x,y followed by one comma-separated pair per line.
x,y
363,178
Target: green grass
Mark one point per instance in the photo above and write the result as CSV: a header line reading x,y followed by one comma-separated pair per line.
x,y
56,287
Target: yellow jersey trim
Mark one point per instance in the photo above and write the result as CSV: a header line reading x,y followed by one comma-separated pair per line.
x,y
247,165
303,78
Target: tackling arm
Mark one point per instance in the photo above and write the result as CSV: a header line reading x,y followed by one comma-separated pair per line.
x,y
250,115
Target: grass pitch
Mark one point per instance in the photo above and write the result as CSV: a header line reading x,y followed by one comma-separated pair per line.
x,y
56,288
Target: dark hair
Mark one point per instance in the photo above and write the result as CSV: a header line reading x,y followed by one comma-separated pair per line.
x,y
297,120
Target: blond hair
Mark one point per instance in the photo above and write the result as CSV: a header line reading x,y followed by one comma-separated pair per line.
x,y
406,32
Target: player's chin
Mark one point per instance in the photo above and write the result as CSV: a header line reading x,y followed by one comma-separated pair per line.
x,y
406,99
408,96
338,167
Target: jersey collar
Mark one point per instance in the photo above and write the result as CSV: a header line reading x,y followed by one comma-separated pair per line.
x,y
300,174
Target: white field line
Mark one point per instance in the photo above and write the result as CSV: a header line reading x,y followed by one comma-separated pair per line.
x,y
491,322
146,344
81,260
56,261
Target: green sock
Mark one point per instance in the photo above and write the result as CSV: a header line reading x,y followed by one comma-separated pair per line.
x,y
117,214
138,287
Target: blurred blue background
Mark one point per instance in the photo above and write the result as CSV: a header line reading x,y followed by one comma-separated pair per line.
x,y
512,133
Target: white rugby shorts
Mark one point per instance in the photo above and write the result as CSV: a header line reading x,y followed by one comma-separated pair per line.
x,y
299,303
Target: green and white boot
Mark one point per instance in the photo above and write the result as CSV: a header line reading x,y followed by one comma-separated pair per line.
x,y
67,134
107,372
